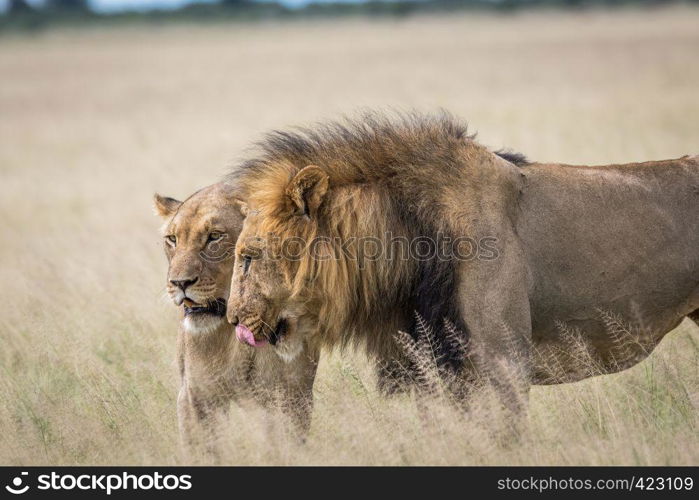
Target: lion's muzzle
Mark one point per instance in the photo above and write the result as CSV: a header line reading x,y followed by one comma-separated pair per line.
x,y
245,335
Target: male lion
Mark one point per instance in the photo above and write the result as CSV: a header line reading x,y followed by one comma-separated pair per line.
x,y
199,236
576,248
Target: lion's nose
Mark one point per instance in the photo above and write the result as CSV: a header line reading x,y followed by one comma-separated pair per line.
x,y
183,284
233,319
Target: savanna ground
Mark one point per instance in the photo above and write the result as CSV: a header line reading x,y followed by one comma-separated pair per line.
x,y
92,122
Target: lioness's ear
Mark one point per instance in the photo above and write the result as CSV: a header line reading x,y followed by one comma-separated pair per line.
x,y
307,189
164,206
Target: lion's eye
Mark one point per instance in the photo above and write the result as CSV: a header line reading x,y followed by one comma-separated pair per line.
x,y
214,236
172,239
247,260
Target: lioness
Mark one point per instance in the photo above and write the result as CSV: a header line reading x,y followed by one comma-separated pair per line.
x,y
574,245
199,235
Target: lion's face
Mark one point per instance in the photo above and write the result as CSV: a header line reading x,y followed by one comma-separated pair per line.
x,y
199,237
262,304
260,286
268,302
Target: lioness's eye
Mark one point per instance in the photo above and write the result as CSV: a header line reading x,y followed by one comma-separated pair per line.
x,y
215,236
247,260
172,239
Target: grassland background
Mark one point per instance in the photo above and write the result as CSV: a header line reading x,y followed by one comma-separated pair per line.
x,y
92,122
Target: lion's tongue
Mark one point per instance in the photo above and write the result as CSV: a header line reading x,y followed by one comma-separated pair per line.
x,y
244,335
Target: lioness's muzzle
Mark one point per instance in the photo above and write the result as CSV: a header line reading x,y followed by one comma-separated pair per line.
x,y
215,308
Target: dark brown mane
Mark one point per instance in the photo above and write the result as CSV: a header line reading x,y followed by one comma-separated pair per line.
x,y
513,157
369,146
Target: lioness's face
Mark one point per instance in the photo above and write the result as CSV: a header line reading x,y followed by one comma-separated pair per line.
x,y
199,237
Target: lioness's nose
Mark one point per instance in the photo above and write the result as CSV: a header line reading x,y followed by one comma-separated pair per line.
x,y
183,284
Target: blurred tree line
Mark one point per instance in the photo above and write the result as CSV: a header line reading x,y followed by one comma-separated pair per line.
x,y
49,6
21,14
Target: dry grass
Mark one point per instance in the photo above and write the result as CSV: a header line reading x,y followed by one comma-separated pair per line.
x,y
93,122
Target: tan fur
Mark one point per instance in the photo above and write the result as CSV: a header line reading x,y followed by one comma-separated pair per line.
x,y
575,243
215,368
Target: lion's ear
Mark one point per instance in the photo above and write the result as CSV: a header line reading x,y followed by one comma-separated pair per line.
x,y
242,206
165,206
307,189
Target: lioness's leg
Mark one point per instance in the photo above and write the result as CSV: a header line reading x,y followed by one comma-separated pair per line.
x,y
213,367
197,417
189,420
186,420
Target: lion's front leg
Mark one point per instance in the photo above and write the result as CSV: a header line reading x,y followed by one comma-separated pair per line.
x,y
493,300
291,382
298,406
296,390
